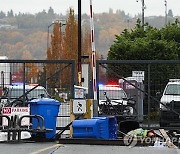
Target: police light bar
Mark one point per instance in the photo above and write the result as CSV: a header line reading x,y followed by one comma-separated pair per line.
x,y
112,85
17,83
174,80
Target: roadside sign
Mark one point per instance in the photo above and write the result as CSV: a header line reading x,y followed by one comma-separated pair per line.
x,y
139,75
79,106
19,111
129,86
79,93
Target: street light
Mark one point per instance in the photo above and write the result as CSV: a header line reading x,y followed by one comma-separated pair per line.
x,y
165,3
48,35
143,8
57,21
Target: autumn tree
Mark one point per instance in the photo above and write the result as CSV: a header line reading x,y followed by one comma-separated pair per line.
x,y
71,37
65,46
55,53
86,45
32,72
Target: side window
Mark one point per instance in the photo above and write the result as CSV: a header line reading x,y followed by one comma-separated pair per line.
x,y
172,89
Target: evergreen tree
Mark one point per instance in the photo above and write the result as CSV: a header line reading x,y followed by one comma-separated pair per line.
x,y
2,15
170,13
51,13
10,13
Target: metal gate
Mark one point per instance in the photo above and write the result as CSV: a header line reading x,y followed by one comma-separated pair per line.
x,y
56,76
144,80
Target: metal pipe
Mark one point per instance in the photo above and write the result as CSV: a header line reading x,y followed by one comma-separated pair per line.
x,y
79,43
149,90
2,79
24,84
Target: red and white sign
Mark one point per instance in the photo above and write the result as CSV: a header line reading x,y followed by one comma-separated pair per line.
x,y
19,111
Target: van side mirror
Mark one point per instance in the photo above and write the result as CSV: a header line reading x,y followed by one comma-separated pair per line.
x,y
158,93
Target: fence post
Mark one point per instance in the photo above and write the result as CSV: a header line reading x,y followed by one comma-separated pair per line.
x,y
149,107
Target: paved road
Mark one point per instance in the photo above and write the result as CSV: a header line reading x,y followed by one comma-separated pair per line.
x,y
26,148
54,148
104,149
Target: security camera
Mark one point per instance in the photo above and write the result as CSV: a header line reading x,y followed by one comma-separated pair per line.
x,y
136,0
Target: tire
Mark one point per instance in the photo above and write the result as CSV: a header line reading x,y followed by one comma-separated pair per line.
x,y
162,121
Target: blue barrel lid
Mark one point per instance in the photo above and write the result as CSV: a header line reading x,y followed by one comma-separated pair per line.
x,y
47,101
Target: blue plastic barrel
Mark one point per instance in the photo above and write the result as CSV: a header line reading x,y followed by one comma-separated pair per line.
x,y
87,128
48,109
107,127
97,127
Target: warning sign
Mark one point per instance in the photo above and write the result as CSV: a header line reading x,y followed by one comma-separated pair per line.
x,y
19,111
79,106
139,75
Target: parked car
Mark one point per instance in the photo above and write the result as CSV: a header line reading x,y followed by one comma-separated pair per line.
x,y
170,104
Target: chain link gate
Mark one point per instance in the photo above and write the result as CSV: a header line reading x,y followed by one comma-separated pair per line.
x,y
142,80
56,76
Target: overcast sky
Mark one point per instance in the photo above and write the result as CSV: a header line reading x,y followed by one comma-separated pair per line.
x,y
153,7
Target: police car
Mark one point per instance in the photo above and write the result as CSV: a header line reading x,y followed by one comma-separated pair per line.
x,y
114,93
113,100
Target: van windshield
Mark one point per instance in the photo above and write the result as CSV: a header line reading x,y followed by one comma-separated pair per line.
x,y
112,94
36,93
172,89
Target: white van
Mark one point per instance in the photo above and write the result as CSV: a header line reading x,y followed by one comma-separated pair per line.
x,y
170,98
171,93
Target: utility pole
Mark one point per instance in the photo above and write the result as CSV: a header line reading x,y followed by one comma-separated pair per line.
x,y
79,43
165,11
143,8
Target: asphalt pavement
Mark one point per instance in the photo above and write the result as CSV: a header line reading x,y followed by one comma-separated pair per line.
x,y
54,148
